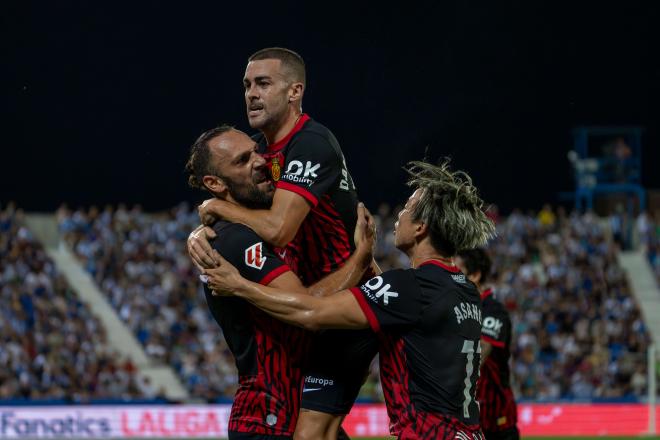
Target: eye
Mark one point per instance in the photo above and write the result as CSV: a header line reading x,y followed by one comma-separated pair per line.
x,y
242,159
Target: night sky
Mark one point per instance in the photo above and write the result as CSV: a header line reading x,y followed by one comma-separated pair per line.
x,y
101,100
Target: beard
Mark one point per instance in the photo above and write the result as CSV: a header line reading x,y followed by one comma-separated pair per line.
x,y
250,195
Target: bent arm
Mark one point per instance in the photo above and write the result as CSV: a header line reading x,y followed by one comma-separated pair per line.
x,y
277,225
349,275
336,311
225,278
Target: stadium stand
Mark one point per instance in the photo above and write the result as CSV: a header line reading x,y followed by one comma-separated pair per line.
x,y
578,330
52,347
140,263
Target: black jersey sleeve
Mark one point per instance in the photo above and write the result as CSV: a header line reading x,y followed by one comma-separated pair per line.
x,y
312,168
495,327
254,258
390,299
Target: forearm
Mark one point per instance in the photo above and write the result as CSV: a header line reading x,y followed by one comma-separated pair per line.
x,y
337,311
486,349
262,221
293,308
348,275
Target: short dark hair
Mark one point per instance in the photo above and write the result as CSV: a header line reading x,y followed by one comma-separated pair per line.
x,y
199,163
450,206
476,260
291,61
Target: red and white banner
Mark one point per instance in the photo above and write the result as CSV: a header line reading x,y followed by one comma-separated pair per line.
x,y
584,419
210,421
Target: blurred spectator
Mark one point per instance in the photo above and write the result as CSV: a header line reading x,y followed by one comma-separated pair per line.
x,y
52,346
546,217
616,162
620,227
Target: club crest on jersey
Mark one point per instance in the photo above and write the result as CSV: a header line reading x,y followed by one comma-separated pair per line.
x,y
254,256
275,169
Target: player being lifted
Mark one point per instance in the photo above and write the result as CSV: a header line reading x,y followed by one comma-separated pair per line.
x,y
269,354
428,318
310,221
498,407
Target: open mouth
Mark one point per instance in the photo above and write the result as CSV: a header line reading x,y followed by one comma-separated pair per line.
x,y
262,177
255,109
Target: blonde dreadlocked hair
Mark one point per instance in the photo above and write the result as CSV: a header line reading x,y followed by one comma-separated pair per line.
x,y
450,206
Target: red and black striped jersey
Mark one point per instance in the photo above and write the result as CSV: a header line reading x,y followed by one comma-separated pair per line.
x,y
309,162
269,353
429,323
498,406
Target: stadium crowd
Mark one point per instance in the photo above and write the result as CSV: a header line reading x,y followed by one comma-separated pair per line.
x,y
52,346
140,263
578,332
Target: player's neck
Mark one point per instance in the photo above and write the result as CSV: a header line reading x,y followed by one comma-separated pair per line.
x,y
426,253
279,131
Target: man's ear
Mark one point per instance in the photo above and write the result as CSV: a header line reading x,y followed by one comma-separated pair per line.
x,y
214,184
296,91
421,229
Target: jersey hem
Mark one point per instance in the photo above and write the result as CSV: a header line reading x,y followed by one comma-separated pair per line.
x,y
328,409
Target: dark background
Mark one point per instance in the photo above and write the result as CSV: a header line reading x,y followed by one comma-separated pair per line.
x,y
101,100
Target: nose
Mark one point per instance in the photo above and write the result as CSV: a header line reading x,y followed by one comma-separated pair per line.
x,y
251,92
259,161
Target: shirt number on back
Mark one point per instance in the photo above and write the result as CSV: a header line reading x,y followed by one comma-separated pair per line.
x,y
469,349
